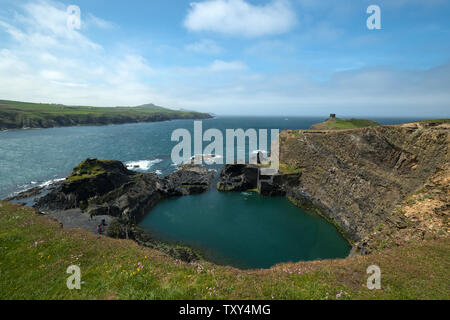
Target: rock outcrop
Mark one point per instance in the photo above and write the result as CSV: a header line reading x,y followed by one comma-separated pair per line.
x,y
243,177
102,187
238,177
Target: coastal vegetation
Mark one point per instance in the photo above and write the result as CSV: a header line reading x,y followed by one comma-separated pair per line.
x,y
334,123
35,253
18,115
87,169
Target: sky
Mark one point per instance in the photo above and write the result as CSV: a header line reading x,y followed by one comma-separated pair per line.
x,y
240,57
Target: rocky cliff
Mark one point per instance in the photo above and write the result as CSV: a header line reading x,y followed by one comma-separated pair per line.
x,y
102,187
362,180
357,178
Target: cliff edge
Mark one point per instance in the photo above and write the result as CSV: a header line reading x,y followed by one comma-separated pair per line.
x,y
359,178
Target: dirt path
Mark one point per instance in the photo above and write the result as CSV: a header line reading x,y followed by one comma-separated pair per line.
x,y
75,219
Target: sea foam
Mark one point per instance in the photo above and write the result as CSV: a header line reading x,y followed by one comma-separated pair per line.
x,y
142,165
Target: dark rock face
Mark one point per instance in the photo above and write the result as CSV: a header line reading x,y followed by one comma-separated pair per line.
x,y
92,178
276,185
188,180
26,194
238,177
243,177
108,188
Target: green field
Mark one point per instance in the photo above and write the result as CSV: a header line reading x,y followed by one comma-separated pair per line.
x,y
35,253
341,124
15,115
350,124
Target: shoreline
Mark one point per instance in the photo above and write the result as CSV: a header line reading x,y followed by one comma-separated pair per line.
x,y
98,125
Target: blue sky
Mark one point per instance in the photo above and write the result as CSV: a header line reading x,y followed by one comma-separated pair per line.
x,y
271,57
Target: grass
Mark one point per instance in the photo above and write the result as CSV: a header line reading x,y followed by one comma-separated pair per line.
x,y
436,121
35,253
88,169
350,124
14,114
289,168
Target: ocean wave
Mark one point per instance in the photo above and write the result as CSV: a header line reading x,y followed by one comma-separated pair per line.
x,y
50,182
207,156
34,184
143,165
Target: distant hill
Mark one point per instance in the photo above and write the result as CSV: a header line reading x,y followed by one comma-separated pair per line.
x,y
18,115
334,123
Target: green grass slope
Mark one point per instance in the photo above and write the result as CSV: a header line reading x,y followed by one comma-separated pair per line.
x,y
14,115
35,253
340,124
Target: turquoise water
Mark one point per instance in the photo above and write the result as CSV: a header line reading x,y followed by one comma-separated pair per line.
x,y
257,232
244,229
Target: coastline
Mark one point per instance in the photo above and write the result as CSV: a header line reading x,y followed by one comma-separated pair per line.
x,y
100,124
24,115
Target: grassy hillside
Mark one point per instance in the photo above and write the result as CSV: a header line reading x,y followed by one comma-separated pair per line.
x,y
15,115
339,124
35,253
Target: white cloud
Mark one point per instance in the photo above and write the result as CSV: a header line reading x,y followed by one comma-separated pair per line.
x,y
98,22
239,18
219,65
45,61
52,75
205,46
43,24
